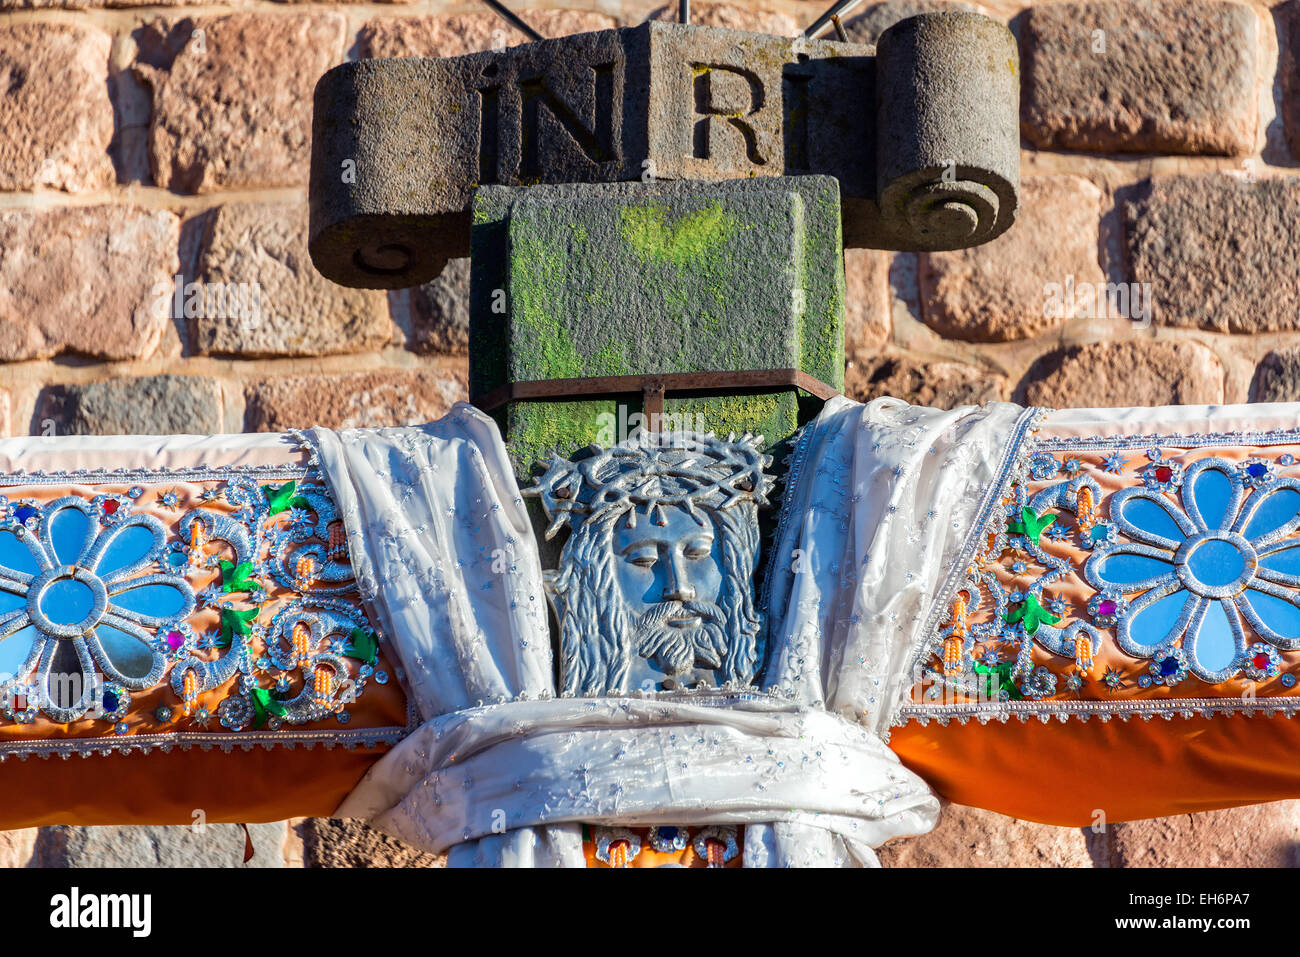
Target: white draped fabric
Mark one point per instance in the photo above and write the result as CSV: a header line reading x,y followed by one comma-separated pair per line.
x,y
875,517
442,547
444,554
643,761
878,511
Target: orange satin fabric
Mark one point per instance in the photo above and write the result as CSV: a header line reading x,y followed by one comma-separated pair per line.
x,y
166,787
241,787
1063,773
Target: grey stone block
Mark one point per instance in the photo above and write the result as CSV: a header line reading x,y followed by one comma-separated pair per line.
x,y
441,311
216,845
400,145
146,405
1278,377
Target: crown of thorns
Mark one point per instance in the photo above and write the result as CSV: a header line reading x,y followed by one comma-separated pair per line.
x,y
656,470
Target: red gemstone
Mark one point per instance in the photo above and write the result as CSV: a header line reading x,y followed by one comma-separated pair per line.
x,y
1261,661
110,506
1164,473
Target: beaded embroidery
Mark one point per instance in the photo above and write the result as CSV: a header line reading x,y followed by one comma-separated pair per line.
x,y
1142,575
201,606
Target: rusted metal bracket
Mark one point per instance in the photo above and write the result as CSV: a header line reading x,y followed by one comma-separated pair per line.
x,y
653,388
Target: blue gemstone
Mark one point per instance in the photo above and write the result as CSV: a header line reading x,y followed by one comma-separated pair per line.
x,y
23,513
1256,470
1168,667
668,834
110,701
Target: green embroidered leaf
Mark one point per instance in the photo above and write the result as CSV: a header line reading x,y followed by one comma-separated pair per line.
x,y
265,703
998,679
362,646
1030,525
235,622
235,577
1032,614
282,498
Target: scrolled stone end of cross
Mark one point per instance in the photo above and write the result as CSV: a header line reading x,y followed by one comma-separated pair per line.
x,y
948,140
380,219
380,251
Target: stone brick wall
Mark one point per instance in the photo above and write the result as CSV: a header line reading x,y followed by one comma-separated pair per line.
x,y
138,143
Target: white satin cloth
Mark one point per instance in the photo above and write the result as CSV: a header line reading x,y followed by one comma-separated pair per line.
x,y
875,516
875,525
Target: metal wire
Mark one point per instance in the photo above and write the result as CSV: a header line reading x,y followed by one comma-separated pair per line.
x,y
510,17
825,20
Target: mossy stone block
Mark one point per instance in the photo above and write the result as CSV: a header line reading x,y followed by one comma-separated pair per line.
x,y
612,279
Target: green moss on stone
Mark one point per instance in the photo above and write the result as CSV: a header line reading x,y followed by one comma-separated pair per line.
x,y
538,430
773,415
539,269
651,231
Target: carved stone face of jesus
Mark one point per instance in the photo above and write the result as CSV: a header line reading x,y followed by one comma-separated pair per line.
x,y
670,576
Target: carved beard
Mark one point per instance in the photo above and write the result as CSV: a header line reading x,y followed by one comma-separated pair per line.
x,y
679,650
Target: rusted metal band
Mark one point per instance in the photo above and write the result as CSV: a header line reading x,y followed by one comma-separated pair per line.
x,y
653,387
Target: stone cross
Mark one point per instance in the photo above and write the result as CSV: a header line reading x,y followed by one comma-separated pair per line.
x,y
922,132
659,212
674,295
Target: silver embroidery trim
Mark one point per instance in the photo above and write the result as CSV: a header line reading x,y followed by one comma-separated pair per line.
x,y
1017,449
184,741
205,473
1140,442
1167,708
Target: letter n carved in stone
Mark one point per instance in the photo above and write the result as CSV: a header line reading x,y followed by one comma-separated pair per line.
x,y
596,139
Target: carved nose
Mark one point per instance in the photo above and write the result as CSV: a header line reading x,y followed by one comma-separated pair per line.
x,y
682,592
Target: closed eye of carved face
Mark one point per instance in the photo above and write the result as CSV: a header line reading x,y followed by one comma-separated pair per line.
x,y
698,548
645,554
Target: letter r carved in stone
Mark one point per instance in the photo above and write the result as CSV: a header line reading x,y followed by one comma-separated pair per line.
x,y
726,96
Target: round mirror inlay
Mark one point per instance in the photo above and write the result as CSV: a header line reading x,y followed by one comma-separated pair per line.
x,y
66,601
1216,562
1217,565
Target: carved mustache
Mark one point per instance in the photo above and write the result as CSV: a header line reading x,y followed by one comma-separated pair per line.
x,y
660,613
679,649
